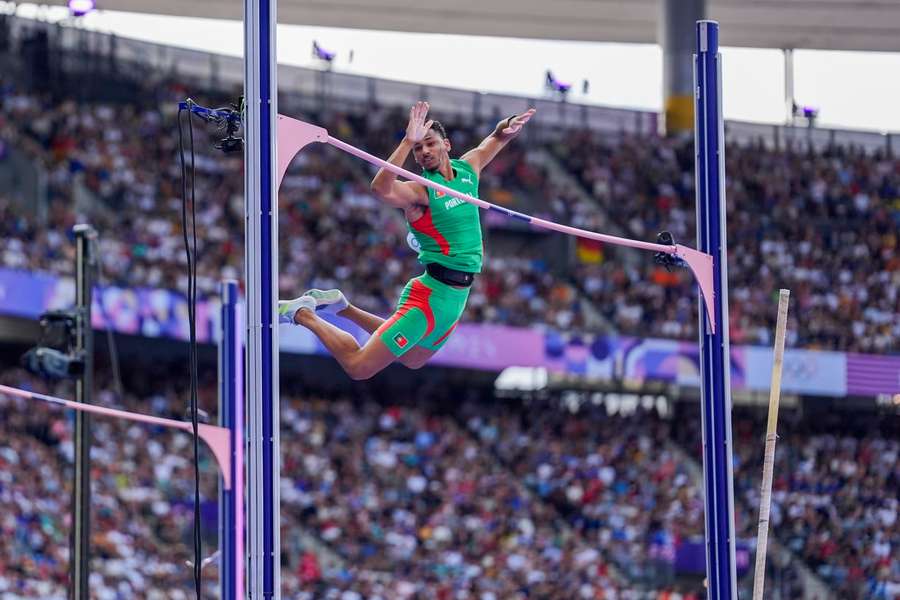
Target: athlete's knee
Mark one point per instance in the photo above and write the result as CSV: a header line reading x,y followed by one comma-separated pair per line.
x,y
360,372
360,369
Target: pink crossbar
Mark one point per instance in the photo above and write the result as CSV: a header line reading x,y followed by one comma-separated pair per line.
x,y
217,438
294,135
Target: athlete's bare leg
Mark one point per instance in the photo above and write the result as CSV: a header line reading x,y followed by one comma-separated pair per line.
x,y
334,302
414,359
364,319
359,363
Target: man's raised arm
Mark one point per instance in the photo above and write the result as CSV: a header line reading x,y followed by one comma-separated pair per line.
x,y
505,131
403,194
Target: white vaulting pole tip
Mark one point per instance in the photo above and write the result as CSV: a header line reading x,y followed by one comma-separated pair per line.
x,y
765,501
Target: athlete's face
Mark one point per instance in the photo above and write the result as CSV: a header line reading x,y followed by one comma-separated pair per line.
x,y
431,150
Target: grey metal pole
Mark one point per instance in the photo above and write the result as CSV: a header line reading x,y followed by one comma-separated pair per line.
x,y
788,86
676,35
80,541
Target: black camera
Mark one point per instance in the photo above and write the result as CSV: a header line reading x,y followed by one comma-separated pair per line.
x,y
55,356
230,144
58,329
50,363
665,259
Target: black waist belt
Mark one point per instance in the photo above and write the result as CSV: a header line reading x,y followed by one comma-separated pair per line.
x,y
450,276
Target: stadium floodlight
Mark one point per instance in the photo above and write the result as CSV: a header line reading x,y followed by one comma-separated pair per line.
x,y
79,8
322,54
810,113
556,85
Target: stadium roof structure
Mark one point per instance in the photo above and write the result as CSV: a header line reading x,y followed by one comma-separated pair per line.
x,y
872,25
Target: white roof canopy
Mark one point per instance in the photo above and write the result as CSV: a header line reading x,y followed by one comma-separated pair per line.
x,y
823,24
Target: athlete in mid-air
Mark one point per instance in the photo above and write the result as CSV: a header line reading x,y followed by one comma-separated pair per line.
x,y
447,232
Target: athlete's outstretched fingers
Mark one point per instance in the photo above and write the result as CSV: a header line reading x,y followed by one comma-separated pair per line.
x,y
419,110
516,124
417,128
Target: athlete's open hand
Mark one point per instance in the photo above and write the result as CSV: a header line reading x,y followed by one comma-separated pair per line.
x,y
418,127
516,124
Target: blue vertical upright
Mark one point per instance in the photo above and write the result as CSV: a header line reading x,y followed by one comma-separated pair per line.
x,y
231,416
261,264
709,133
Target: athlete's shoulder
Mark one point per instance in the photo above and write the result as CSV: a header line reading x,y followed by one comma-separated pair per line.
x,y
460,164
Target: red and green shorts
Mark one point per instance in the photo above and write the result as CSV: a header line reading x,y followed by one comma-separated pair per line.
x,y
426,315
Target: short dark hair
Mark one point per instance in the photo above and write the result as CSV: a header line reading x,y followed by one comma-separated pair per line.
x,y
439,128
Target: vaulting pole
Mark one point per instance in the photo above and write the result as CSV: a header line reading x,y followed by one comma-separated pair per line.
x,y
765,492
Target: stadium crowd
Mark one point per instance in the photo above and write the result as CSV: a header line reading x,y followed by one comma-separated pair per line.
x,y
834,499
407,493
438,499
621,483
619,480
141,498
823,224
412,504
596,470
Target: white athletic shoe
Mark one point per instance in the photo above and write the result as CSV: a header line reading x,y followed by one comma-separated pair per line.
x,y
288,308
328,301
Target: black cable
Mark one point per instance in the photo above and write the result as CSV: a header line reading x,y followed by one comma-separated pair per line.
x,y
192,325
195,369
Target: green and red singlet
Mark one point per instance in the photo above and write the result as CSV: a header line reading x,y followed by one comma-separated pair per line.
x,y
449,233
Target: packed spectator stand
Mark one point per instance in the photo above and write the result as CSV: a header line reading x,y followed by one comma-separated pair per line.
x,y
454,495
823,224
